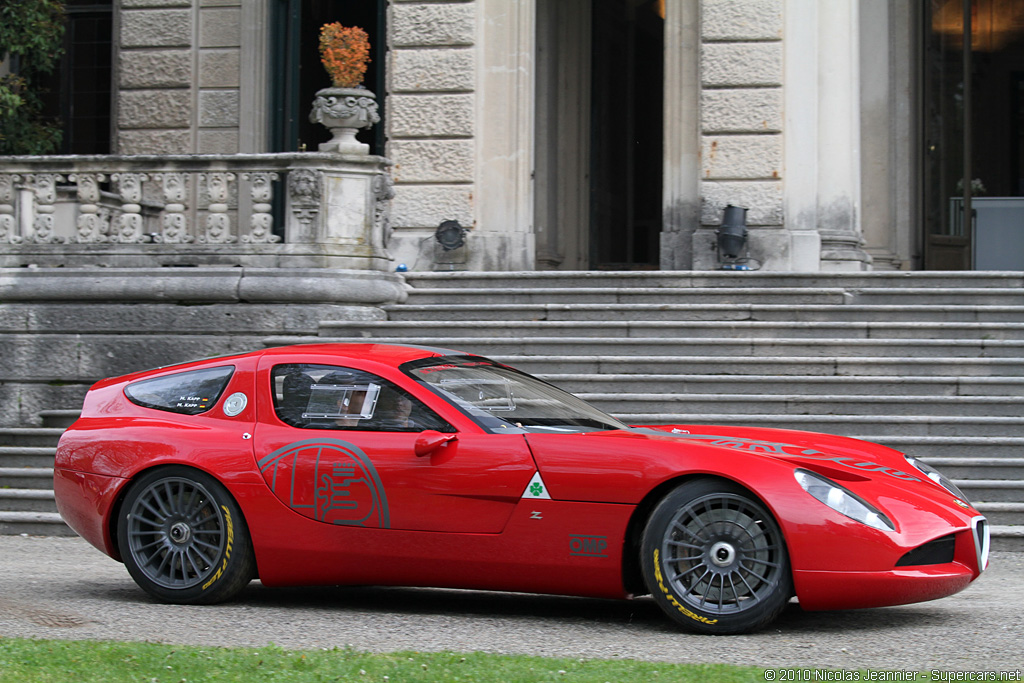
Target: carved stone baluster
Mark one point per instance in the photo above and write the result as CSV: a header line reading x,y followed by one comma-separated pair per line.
x,y
8,226
261,222
45,190
218,225
89,224
175,223
128,228
304,197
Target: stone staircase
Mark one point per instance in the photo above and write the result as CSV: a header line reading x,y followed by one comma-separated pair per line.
x,y
929,363
26,477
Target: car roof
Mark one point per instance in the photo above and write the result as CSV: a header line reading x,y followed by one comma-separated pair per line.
x,y
389,354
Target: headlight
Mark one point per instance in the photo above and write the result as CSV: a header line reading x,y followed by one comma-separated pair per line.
x,y
842,501
937,477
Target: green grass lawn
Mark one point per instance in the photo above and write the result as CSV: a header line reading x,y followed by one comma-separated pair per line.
x,y
31,661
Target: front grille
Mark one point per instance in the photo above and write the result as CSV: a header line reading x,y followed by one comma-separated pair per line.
x,y
939,551
982,541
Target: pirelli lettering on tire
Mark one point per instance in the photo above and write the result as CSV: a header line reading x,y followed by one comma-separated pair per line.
x,y
672,598
227,548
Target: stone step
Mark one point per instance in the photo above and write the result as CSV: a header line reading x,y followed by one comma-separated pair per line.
x,y
757,348
867,427
992,490
744,384
1008,468
33,524
721,312
928,447
911,296
732,366
627,295
684,330
540,361
1003,513
59,419
807,404
1008,538
30,436
27,500
917,279
27,456
26,477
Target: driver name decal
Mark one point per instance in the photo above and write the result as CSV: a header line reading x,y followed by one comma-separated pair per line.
x,y
755,446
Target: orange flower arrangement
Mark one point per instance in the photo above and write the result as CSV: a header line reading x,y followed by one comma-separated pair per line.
x,y
344,52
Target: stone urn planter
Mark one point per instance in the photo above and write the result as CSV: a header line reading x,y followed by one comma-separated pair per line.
x,y
344,111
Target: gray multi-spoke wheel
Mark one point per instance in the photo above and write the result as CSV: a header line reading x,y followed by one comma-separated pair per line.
x,y
183,539
715,559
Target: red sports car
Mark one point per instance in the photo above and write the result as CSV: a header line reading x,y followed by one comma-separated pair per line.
x,y
403,465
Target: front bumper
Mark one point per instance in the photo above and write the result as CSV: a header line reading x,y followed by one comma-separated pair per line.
x,y
834,590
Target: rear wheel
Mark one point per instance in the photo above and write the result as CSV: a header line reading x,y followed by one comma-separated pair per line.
x,y
714,558
183,538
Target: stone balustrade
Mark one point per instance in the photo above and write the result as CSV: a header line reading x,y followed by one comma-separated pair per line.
x,y
296,210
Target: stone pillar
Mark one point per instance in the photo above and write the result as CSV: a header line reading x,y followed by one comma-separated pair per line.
x,y
681,195
337,211
823,155
431,123
503,237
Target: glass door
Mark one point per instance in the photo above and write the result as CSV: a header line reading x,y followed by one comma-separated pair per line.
x,y
973,79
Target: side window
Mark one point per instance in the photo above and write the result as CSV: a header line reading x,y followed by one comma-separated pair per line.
x,y
188,393
331,397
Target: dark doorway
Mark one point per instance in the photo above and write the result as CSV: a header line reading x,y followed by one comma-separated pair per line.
x,y
973,81
77,94
626,133
297,73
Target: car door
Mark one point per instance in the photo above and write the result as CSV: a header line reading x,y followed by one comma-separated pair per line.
x,y
338,444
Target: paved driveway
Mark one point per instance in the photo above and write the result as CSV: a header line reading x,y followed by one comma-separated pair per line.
x,y
63,588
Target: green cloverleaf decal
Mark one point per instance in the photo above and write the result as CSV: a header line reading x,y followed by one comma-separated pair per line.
x,y
536,489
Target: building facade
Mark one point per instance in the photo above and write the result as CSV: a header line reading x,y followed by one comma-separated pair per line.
x,y
605,134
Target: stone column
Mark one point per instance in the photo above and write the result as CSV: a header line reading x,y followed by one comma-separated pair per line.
x,y
503,237
823,152
681,194
431,104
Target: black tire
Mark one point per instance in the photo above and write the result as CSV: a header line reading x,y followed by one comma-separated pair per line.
x,y
715,560
183,538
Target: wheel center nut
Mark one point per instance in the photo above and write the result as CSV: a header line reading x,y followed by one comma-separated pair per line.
x,y
722,554
180,532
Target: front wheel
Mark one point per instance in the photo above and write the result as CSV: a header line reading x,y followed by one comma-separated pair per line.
x,y
183,538
715,560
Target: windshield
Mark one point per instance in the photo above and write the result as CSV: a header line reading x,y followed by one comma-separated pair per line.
x,y
505,401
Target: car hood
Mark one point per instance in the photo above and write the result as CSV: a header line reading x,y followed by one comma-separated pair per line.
x,y
835,456
620,466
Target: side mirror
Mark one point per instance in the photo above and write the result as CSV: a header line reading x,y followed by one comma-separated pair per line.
x,y
430,440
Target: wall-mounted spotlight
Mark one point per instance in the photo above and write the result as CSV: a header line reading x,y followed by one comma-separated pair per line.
x,y
450,235
732,239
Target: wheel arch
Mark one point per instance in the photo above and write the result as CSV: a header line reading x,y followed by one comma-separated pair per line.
x,y
115,510
632,577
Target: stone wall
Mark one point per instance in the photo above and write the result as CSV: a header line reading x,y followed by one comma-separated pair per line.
x,y
178,76
741,122
431,109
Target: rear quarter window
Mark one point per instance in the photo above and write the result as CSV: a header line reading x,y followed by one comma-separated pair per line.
x,y
186,393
